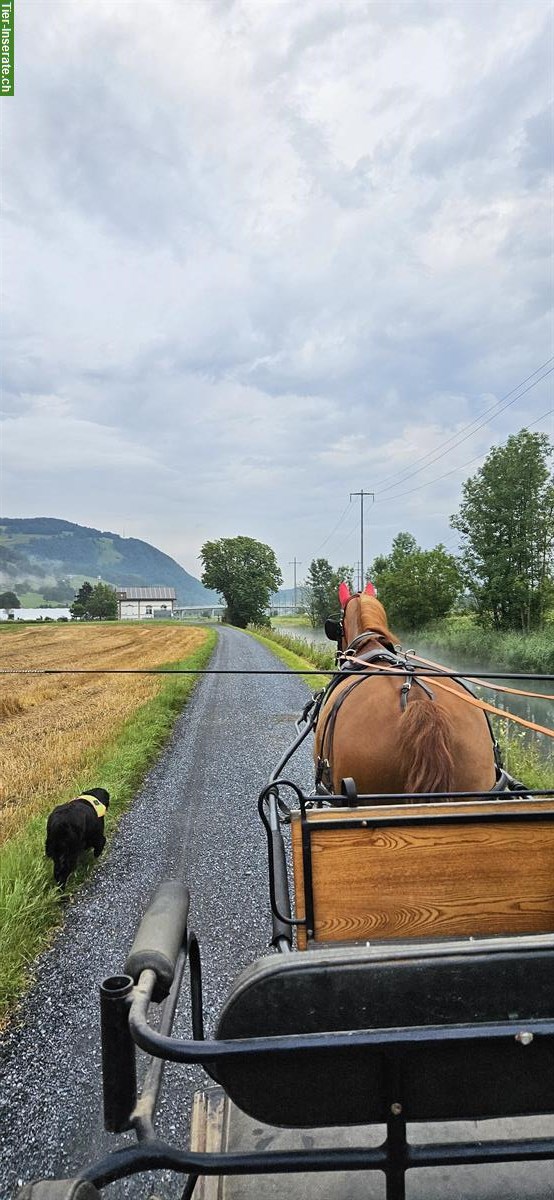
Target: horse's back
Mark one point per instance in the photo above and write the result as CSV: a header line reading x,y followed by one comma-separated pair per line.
x,y
370,744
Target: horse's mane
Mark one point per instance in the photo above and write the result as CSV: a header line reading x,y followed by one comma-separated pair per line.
x,y
373,616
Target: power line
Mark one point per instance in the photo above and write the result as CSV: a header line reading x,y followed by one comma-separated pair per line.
x,y
350,531
345,534
329,535
437,478
473,426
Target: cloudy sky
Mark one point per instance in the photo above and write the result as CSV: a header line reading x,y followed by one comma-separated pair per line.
x,y
260,254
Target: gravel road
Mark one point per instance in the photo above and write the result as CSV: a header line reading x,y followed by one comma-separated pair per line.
x,y
195,817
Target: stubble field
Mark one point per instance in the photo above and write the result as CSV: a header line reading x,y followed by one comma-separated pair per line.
x,y
52,726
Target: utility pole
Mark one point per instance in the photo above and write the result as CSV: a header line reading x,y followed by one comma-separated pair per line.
x,y
297,563
361,495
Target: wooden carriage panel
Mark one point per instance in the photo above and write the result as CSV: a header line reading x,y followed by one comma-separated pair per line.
x,y
373,881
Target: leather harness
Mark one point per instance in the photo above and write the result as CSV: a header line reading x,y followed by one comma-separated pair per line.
x,y
348,661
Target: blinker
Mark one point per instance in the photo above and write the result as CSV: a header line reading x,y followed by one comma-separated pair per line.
x,y
333,629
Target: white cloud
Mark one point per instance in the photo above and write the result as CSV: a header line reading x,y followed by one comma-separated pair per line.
x,y
46,440
267,257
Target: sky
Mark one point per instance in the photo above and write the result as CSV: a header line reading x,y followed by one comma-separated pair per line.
x,y
259,255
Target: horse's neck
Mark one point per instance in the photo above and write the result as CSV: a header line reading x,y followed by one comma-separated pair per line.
x,y
367,623
358,631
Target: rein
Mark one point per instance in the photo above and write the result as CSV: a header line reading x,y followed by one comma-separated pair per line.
x,y
494,687
482,704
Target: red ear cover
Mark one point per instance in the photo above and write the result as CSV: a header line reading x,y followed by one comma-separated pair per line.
x,y
344,594
370,589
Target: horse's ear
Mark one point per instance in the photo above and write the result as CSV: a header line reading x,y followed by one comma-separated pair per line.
x,y
344,594
370,589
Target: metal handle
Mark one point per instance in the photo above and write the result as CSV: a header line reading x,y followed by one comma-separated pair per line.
x,y
160,936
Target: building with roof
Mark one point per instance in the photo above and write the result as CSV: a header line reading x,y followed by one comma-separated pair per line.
x,y
145,603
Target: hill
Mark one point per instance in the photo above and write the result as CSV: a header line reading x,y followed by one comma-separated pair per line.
x,y
50,558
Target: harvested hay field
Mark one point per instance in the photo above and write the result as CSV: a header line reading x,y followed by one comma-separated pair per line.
x,y
52,726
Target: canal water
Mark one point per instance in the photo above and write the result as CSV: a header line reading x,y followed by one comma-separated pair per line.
x,y
539,711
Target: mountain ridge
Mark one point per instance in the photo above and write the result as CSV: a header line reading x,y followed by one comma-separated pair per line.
x,y
51,551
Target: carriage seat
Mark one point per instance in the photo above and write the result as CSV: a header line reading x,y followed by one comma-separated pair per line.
x,y
407,1000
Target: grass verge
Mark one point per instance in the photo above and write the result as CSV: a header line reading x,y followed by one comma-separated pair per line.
x,y
286,649
31,907
521,756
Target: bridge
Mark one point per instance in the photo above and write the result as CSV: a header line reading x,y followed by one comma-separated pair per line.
x,y
286,610
207,610
215,610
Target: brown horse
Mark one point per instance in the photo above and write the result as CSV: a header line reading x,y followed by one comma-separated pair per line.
x,y
391,736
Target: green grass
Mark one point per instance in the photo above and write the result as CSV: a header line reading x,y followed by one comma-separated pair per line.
x,y
522,759
32,600
303,621
287,650
31,907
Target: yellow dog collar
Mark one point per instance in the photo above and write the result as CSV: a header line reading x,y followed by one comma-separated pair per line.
x,y
99,808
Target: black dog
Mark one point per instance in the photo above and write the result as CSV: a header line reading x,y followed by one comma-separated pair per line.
x,y
75,827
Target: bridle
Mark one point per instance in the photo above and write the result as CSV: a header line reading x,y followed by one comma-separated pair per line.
x,y
336,631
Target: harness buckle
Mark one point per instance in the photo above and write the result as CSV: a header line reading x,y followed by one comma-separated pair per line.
x,y
323,775
404,691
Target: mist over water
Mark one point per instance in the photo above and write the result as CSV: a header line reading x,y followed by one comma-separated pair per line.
x,y
540,712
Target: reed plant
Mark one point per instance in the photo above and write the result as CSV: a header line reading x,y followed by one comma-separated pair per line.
x,y
462,637
297,653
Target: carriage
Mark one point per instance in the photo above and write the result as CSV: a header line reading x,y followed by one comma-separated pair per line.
x,y
410,986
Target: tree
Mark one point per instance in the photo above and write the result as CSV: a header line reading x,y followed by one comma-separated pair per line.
x,y
344,575
103,602
80,609
245,573
98,602
321,588
507,521
416,585
319,591
60,592
9,600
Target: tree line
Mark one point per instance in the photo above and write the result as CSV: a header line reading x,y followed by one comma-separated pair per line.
x,y
504,572
98,603
90,603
